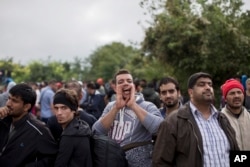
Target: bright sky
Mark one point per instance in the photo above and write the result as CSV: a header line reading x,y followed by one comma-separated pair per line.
x,y
63,29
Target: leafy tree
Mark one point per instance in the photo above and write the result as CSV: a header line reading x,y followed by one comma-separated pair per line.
x,y
106,60
210,37
13,70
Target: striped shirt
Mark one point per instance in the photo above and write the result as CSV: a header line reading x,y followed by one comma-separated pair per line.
x,y
215,143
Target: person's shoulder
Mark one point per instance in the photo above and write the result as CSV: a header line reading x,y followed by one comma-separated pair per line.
x,y
223,110
77,127
37,125
86,116
246,112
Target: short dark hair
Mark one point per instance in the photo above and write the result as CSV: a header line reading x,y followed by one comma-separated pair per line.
x,y
74,85
25,92
167,80
143,83
121,71
91,85
194,77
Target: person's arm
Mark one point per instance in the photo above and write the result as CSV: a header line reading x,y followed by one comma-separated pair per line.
x,y
102,126
108,119
152,120
149,116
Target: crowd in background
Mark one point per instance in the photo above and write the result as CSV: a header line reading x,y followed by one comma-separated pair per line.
x,y
102,105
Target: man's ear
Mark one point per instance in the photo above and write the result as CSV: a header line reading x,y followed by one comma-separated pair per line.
x,y
27,107
190,92
179,93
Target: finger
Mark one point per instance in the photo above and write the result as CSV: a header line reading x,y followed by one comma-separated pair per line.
x,y
3,112
119,89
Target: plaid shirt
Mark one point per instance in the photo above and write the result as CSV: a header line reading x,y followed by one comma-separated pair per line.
x,y
215,143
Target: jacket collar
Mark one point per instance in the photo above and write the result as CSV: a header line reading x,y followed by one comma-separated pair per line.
x,y
21,121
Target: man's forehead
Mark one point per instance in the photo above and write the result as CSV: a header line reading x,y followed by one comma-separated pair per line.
x,y
203,79
168,88
124,76
169,85
17,97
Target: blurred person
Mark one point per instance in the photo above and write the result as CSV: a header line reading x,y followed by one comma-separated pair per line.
x,y
4,96
74,147
101,87
111,94
130,121
196,134
53,124
247,95
84,92
24,141
237,114
94,104
36,108
149,93
46,100
59,85
138,87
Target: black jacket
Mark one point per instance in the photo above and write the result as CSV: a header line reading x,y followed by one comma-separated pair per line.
x,y
74,147
56,128
94,105
30,145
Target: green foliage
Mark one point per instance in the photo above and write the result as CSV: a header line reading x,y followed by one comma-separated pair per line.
x,y
213,39
38,71
106,60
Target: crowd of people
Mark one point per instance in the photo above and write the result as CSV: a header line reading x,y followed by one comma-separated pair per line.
x,y
152,123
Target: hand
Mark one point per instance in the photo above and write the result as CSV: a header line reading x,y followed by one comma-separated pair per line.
x,y
4,111
120,101
131,101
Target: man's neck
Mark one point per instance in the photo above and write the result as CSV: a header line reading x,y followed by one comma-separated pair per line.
x,y
15,119
235,111
204,108
170,109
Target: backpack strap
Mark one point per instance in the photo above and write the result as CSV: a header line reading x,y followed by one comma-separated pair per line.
x,y
136,144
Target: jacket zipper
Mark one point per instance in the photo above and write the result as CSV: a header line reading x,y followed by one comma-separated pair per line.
x,y
196,139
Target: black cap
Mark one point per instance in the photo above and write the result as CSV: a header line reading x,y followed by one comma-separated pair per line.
x,y
193,78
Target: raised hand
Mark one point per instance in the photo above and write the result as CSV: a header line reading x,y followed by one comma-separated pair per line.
x,y
4,111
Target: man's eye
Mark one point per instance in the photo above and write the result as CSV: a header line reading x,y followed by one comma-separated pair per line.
x,y
201,84
119,82
164,92
64,107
